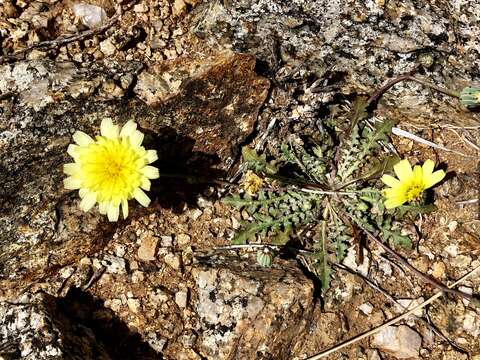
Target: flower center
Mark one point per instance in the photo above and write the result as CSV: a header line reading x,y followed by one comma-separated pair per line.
x,y
414,192
111,169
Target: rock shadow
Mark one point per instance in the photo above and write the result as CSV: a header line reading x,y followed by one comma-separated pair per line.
x,y
117,339
184,172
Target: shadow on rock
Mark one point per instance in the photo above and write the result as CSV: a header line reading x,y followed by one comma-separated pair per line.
x,y
118,340
184,173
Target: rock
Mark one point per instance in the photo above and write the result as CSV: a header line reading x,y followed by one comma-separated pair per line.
x,y
148,248
172,260
183,240
230,106
133,305
114,264
107,47
400,341
238,306
166,241
91,16
34,327
181,298
366,308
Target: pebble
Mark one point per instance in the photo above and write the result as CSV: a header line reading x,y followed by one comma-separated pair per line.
x,y
166,241
107,47
140,8
183,239
133,305
172,260
181,298
366,308
438,270
195,214
148,248
114,264
400,341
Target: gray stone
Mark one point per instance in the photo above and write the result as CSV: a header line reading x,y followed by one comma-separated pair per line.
x,y
400,341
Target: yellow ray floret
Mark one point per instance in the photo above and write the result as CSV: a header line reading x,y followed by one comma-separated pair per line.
x,y
111,169
411,183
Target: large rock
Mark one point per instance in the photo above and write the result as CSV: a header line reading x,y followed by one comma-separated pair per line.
x,y
43,103
34,328
249,312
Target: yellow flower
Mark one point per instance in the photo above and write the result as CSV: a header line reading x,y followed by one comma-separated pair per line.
x,y
252,182
410,183
111,169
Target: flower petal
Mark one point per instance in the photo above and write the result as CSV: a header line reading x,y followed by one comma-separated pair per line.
x,y
150,172
145,183
394,202
141,197
82,139
108,130
112,212
403,170
103,207
427,168
71,169
88,201
72,150
71,183
125,208
136,138
390,181
128,129
417,174
151,156
434,178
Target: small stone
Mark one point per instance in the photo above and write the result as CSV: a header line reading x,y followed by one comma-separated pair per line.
x,y
115,304
195,214
148,248
466,290
438,270
114,264
181,298
366,308
120,250
408,304
183,240
461,261
91,16
172,260
400,341
133,305
452,226
166,241
140,8
107,47
137,277
351,262
179,7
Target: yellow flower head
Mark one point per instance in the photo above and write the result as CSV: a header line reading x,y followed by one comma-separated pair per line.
x,y
111,169
410,183
252,182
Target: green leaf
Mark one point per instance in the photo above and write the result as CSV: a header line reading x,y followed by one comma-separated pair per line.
x,y
415,210
380,167
281,238
359,110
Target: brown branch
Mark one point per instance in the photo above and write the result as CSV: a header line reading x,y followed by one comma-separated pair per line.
x,y
379,93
